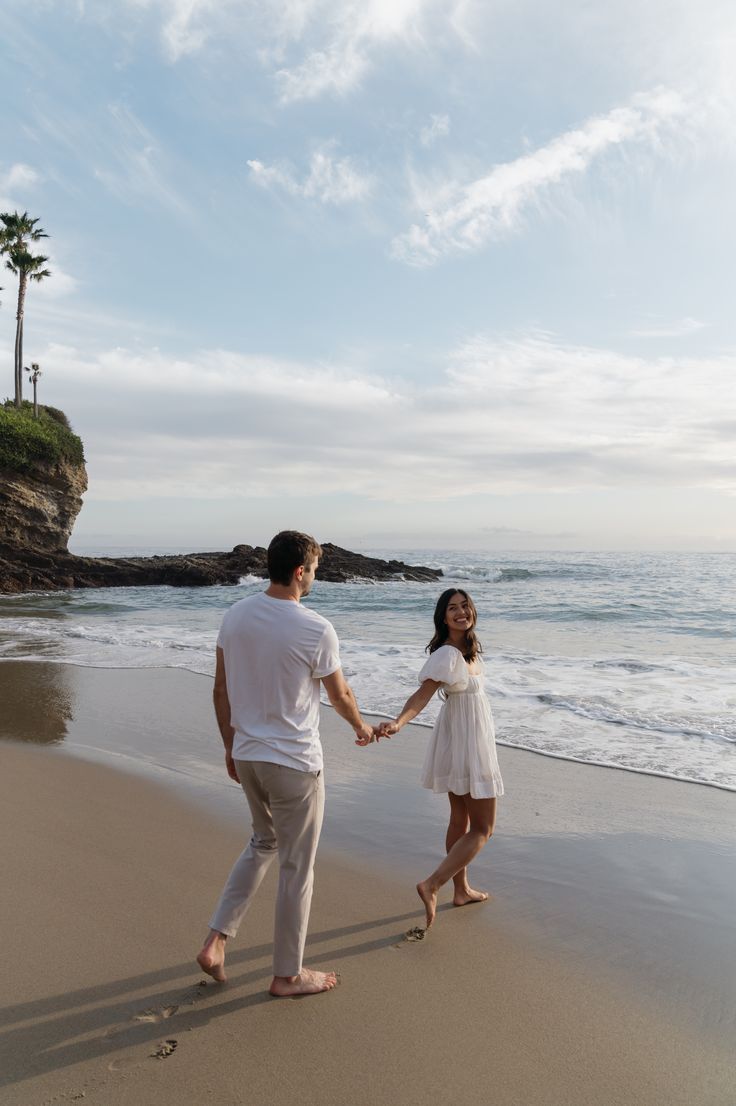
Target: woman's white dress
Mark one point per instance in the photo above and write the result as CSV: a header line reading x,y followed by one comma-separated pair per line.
x,y
461,756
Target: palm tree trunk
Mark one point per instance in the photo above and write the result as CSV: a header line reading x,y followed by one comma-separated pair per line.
x,y
19,341
18,363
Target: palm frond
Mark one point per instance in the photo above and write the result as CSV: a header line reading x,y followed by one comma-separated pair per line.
x,y
17,229
22,262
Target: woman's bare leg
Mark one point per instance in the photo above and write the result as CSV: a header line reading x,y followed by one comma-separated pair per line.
x,y
481,819
459,824
459,820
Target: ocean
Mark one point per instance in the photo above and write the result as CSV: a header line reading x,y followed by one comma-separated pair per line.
x,y
625,660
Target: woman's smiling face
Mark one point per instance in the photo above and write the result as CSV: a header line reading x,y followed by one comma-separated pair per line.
x,y
459,615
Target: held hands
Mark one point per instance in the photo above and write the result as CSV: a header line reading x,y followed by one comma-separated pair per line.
x,y
369,734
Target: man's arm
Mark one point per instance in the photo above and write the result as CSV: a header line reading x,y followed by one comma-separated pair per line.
x,y
342,699
222,713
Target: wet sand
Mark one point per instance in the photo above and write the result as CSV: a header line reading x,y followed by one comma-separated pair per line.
x,y
602,970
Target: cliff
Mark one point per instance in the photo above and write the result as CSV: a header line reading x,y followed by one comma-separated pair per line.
x,y
42,481
39,507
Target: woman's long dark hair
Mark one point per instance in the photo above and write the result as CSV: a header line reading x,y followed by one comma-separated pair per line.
x,y
441,632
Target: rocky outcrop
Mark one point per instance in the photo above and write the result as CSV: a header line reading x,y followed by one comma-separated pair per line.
x,y
39,570
340,565
39,507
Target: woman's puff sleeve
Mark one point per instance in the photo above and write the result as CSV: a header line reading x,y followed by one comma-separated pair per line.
x,y
447,666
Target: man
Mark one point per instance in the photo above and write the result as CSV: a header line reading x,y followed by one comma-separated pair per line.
x,y
272,654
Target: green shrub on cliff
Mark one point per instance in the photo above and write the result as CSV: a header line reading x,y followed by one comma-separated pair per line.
x,y
25,440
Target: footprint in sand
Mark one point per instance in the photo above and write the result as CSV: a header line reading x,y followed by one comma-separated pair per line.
x,y
156,1014
414,934
161,1051
150,1016
165,1048
153,1014
122,1063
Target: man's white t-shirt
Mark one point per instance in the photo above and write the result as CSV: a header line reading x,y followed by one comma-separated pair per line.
x,y
276,651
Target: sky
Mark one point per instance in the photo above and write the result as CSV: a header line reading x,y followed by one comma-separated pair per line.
x,y
404,274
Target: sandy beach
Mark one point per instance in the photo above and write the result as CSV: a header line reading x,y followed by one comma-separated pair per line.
x,y
601,971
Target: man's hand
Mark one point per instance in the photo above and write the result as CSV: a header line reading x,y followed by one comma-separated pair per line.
x,y
231,769
365,735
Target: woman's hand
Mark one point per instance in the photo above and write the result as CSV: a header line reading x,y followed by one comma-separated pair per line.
x,y
387,729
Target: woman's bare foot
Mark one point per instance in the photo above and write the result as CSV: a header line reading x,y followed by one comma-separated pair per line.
x,y
211,958
308,982
429,897
465,895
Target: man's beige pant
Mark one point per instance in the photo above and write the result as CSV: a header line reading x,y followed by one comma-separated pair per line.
x,y
287,808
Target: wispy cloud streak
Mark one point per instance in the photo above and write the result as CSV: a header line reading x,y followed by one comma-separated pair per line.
x,y
467,216
139,171
437,127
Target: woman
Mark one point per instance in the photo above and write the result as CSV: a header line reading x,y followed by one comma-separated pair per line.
x,y
461,757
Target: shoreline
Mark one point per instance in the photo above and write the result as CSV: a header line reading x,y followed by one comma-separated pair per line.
x,y
383,715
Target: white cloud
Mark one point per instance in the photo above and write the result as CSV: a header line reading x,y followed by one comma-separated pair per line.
x,y
352,31
18,176
185,26
467,216
330,180
679,329
438,127
336,69
185,30
336,40
527,415
222,373
14,182
594,417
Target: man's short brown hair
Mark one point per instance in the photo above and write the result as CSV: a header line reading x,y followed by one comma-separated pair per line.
x,y
287,551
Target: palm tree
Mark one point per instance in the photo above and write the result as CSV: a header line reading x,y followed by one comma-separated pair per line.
x,y
16,233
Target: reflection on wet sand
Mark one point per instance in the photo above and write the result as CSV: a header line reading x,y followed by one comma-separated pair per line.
x,y
37,702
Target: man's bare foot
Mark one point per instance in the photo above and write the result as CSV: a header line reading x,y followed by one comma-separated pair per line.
x,y
211,958
429,898
308,982
465,895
